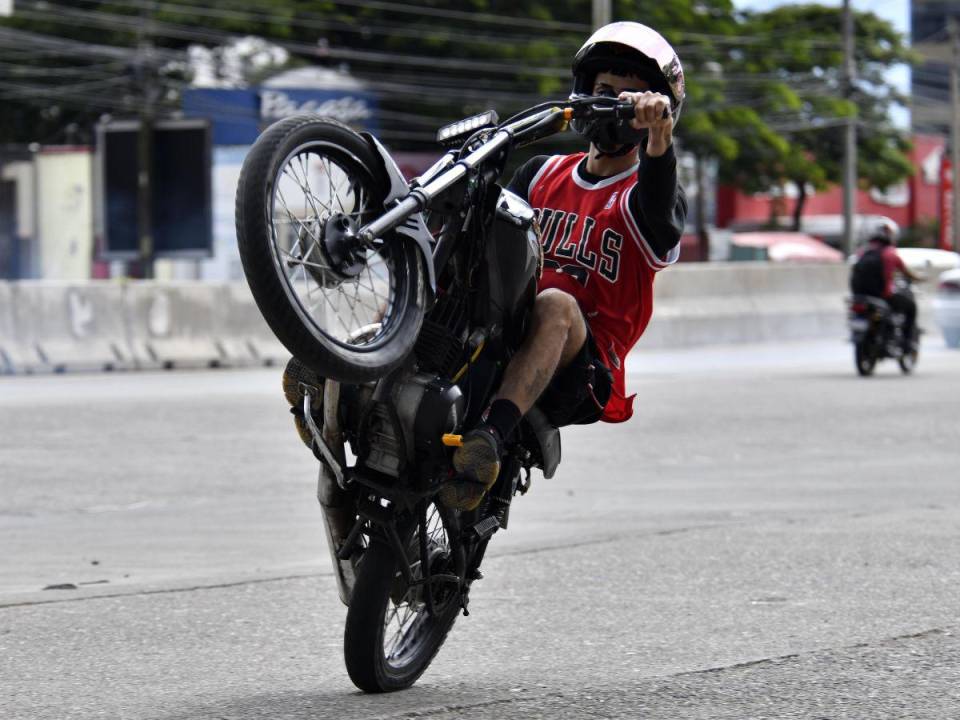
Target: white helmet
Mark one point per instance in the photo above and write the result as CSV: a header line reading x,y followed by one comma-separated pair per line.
x,y
883,230
639,50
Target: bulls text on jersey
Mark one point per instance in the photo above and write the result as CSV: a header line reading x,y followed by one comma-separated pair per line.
x,y
562,242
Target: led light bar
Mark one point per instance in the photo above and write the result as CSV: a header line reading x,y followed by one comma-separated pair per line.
x,y
462,129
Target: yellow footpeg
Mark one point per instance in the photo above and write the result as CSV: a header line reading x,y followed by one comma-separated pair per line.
x,y
452,440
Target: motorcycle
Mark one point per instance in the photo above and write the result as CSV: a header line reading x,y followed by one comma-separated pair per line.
x,y
404,301
876,332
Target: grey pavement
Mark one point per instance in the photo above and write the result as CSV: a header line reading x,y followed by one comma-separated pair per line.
x,y
769,537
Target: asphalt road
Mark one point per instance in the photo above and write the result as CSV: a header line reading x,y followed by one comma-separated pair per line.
x,y
769,537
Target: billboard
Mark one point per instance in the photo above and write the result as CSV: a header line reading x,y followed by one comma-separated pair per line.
x,y
180,197
238,116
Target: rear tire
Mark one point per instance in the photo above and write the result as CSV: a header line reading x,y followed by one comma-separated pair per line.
x,y
864,359
376,661
303,174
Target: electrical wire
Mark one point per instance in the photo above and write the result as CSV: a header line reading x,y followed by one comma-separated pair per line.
x,y
470,16
365,30
134,24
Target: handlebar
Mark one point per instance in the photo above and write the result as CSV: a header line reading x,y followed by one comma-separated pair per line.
x,y
529,126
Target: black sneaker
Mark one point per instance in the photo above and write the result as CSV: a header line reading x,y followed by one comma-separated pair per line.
x,y
478,463
297,380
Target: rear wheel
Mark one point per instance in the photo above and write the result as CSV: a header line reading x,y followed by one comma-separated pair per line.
x,y
864,359
307,186
391,635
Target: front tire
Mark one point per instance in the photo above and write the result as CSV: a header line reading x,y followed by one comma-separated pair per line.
x,y
390,637
351,312
908,361
864,359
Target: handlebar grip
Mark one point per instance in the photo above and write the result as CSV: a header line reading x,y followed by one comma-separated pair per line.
x,y
624,111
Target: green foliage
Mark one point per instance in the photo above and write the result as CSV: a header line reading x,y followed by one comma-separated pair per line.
x,y
805,100
764,90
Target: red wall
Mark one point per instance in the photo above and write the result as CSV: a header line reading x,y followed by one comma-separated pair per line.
x,y
923,200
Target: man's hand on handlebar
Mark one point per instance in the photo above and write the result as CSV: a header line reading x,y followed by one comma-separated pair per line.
x,y
652,110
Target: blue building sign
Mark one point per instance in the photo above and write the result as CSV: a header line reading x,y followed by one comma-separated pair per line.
x,y
239,116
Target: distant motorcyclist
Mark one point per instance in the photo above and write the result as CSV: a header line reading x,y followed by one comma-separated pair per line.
x,y
874,274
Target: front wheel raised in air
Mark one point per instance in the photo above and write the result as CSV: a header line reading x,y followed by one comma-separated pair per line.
x,y
348,309
391,635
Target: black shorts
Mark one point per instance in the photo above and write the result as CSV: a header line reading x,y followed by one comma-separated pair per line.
x,y
578,393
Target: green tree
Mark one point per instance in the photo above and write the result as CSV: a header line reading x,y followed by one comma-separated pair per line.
x,y
805,99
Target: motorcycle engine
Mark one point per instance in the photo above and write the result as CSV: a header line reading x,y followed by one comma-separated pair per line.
x,y
407,427
428,407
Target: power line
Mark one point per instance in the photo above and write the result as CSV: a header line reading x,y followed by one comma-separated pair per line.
x,y
182,32
21,70
339,26
479,17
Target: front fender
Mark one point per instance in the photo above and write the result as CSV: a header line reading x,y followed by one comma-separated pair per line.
x,y
414,228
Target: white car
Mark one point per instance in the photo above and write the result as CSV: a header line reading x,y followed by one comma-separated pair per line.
x,y
928,261
946,307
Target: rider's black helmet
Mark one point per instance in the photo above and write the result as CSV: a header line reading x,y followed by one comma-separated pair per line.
x,y
626,48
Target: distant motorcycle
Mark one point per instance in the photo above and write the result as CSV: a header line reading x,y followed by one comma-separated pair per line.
x,y
406,300
876,332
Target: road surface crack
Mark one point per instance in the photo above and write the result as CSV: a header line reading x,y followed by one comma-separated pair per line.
x,y
922,634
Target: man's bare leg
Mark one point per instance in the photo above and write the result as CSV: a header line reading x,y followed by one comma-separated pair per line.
x,y
557,332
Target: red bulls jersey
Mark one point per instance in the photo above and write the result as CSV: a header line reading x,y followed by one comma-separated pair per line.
x,y
594,250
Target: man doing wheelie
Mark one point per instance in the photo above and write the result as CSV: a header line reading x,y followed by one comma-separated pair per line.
x,y
611,218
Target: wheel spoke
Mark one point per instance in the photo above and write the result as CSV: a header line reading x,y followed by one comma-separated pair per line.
x,y
294,260
333,194
304,186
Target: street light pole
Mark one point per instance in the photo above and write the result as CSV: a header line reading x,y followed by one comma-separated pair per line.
x,y
850,135
145,147
601,13
955,128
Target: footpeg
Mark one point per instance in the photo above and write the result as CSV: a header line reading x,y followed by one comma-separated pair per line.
x,y
486,527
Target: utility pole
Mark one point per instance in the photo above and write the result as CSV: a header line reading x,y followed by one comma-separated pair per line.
x,y
954,27
850,135
145,62
602,13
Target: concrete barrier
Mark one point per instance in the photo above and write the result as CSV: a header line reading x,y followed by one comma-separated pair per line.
x,y
721,303
10,350
243,334
48,326
172,324
67,326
